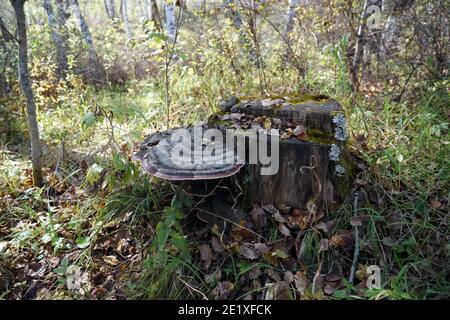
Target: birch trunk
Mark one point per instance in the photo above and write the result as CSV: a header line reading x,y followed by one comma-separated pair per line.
x,y
109,8
25,83
290,17
61,55
126,22
94,72
171,24
147,9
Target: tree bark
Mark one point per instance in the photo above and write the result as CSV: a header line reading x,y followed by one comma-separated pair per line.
x,y
155,15
359,47
126,22
290,17
171,24
4,39
25,82
61,55
110,8
95,71
147,9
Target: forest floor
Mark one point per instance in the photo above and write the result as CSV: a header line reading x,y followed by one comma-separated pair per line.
x,y
101,228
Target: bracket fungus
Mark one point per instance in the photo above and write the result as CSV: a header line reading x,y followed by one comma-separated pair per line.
x,y
176,155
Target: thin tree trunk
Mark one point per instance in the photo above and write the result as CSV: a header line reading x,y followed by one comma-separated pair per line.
x,y
95,70
126,22
290,17
171,24
5,37
359,46
25,82
155,16
108,9
61,55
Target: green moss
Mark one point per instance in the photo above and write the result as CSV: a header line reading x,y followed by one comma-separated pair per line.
x,y
317,136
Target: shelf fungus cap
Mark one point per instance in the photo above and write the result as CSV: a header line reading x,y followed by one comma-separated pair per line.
x,y
179,154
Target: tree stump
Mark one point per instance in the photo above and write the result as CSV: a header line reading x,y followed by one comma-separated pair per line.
x,y
314,163
314,168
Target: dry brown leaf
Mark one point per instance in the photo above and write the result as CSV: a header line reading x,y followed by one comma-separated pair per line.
x,y
206,255
248,252
217,245
435,204
284,230
111,260
301,282
356,221
223,290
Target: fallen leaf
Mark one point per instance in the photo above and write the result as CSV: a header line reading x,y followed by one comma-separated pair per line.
x,y
301,282
278,217
288,276
356,222
111,260
217,245
435,204
343,239
242,233
206,255
248,252
277,291
223,290
328,289
280,254
284,230
261,247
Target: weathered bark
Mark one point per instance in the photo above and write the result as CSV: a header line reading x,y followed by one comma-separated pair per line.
x,y
171,24
154,15
314,168
25,82
61,55
126,22
95,70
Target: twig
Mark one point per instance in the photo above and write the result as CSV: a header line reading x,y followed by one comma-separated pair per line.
x,y
356,252
193,288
